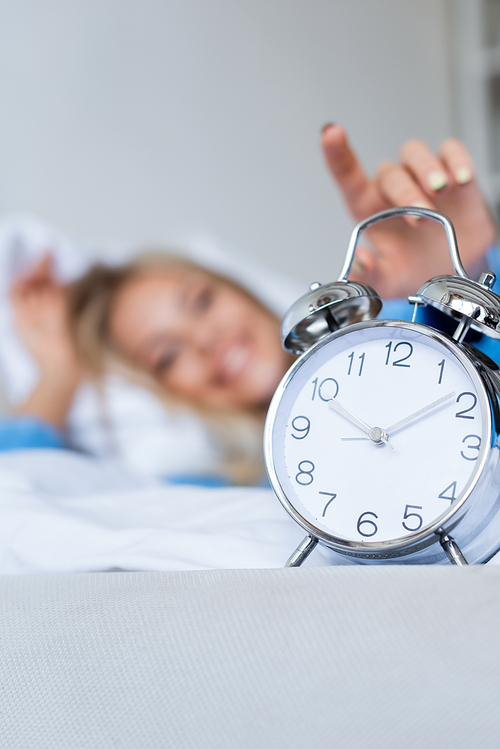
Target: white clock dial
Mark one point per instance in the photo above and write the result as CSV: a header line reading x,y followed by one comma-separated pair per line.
x,y
378,432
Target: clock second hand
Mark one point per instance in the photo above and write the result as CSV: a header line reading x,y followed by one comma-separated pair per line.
x,y
408,419
375,434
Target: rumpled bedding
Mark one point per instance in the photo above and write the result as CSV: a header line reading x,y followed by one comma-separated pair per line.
x,y
64,512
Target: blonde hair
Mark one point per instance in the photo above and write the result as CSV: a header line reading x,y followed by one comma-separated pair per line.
x,y
91,299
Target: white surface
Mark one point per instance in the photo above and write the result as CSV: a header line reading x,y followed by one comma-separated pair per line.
x,y
149,120
262,659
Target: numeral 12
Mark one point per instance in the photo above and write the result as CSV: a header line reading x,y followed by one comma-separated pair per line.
x,y
399,362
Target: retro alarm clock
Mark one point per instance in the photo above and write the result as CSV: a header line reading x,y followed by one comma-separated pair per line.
x,y
381,441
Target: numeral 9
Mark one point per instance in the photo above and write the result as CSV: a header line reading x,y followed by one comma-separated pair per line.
x,y
298,425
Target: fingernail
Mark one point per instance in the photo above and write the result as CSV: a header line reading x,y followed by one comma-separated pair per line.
x,y
436,180
463,175
325,127
419,205
358,267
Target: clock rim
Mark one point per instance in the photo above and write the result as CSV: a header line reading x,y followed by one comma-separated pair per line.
x,y
444,523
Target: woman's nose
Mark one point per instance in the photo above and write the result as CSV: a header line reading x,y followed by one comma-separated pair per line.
x,y
204,338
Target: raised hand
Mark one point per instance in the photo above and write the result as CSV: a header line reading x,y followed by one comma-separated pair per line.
x,y
40,312
39,304
404,253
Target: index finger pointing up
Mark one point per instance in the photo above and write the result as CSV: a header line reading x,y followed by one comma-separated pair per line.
x,y
360,193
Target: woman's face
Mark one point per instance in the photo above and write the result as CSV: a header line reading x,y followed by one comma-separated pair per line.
x,y
201,338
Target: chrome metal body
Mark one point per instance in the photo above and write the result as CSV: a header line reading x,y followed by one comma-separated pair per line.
x,y
302,551
469,532
453,553
398,212
466,300
326,309
473,522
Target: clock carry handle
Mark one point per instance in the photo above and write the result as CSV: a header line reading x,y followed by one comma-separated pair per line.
x,y
405,211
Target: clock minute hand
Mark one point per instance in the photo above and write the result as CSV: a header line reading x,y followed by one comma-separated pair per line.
x,y
408,419
376,434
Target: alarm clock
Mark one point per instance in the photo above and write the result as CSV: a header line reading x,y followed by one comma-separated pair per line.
x,y
381,441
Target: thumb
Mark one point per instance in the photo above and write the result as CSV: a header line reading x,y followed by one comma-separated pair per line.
x,y
364,267
42,270
39,274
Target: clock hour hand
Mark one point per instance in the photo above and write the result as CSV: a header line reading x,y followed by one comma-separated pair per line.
x,y
412,417
377,435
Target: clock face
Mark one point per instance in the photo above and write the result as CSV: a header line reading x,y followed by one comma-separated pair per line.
x,y
377,433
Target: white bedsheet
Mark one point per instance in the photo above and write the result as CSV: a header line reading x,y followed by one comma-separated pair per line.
x,y
63,512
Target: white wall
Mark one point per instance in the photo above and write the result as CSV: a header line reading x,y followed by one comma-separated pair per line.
x,y
149,119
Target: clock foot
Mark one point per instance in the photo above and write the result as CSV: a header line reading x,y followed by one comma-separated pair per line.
x,y
453,551
302,551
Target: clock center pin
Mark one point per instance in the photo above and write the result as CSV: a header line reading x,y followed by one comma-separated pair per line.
x,y
378,436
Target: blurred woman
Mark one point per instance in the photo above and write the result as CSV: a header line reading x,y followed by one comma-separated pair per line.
x,y
192,336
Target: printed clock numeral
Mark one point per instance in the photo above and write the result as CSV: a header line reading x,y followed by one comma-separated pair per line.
x,y
332,497
351,360
449,493
461,414
441,367
407,349
305,470
369,526
301,424
415,524
331,385
472,446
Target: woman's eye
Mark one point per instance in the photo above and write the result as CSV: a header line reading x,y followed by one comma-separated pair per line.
x,y
203,300
165,362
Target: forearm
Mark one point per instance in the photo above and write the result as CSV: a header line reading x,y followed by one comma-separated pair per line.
x,y
52,397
